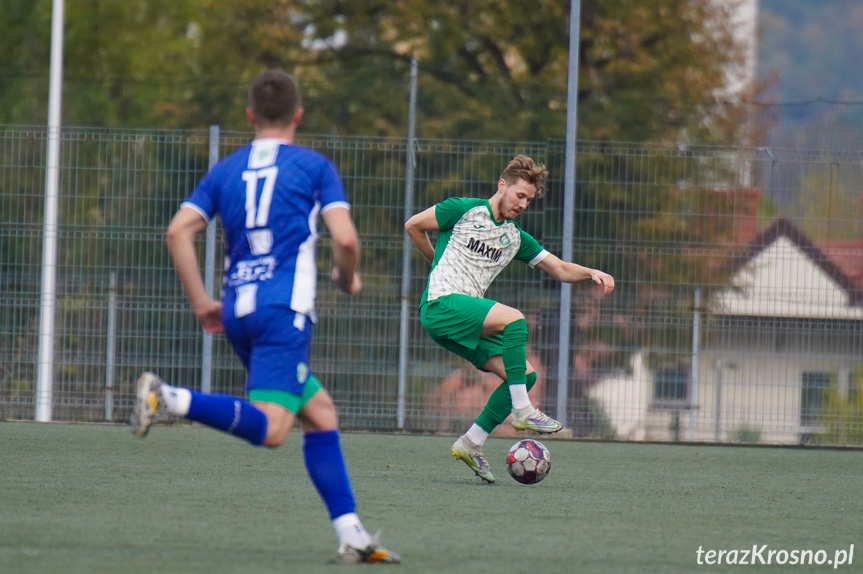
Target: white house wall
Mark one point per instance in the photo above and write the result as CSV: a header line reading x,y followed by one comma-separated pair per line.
x,y
782,281
785,316
760,393
624,398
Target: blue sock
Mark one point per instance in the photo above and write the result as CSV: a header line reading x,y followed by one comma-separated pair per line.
x,y
229,414
326,467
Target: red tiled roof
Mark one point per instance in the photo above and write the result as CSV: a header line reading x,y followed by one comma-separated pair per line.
x,y
847,256
843,262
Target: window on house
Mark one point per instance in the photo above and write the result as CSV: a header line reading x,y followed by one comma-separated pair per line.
x,y
671,384
812,397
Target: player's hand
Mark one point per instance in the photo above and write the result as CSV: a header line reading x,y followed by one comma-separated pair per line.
x,y
604,279
356,284
209,315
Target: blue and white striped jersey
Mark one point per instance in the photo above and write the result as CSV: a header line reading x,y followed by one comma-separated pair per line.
x,y
269,195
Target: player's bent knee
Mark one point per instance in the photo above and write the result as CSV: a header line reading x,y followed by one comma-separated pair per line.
x,y
276,439
278,430
279,424
499,318
320,413
516,316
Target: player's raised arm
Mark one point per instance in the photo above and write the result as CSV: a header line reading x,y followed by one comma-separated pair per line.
x,y
181,244
417,228
346,249
572,273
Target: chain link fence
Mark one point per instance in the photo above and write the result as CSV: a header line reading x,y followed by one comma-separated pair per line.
x,y
738,313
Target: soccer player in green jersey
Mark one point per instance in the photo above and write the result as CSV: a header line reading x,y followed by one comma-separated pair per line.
x,y
476,239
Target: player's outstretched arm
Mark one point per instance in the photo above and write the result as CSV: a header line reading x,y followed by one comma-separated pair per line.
x,y
572,273
417,228
181,244
346,249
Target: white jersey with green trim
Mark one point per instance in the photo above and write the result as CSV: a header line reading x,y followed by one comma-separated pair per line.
x,y
472,248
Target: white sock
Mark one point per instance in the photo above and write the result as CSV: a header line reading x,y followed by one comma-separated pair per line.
x,y
350,531
520,400
177,400
476,435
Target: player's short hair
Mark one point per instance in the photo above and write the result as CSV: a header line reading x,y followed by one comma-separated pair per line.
x,y
274,96
523,167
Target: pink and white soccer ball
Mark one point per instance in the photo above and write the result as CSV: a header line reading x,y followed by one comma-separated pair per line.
x,y
528,461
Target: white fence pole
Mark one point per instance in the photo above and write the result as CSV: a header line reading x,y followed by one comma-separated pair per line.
x,y
45,380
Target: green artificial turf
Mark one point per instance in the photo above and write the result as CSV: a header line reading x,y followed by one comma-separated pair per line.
x,y
92,498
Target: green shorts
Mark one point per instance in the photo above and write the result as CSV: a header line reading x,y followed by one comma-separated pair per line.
x,y
455,322
290,401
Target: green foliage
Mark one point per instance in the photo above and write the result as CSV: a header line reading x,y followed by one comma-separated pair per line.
x,y
746,434
498,70
828,200
24,44
490,69
598,425
842,412
117,58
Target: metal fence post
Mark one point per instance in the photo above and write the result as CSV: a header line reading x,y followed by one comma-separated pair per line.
x,y
568,212
406,252
717,424
45,380
210,274
110,346
693,376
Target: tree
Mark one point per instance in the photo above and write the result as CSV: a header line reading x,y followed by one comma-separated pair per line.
x,y
24,43
490,69
497,69
842,412
827,202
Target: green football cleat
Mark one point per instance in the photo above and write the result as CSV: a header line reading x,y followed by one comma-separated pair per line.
x,y
473,458
536,421
149,401
374,553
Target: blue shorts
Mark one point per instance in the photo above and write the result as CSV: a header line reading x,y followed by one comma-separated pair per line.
x,y
274,345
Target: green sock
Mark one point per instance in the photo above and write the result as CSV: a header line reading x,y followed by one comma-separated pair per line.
x,y
499,405
514,351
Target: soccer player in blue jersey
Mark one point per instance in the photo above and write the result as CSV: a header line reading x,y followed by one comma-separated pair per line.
x,y
269,196
476,240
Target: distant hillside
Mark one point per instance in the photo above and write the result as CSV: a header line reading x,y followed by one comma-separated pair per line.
x,y
810,53
812,48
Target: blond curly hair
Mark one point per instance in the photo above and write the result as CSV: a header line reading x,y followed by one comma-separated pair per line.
x,y
523,167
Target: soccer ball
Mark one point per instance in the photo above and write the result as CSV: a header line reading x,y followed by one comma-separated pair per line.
x,y
528,461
